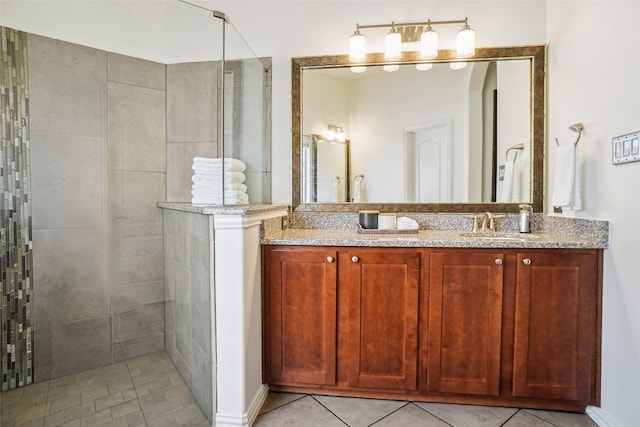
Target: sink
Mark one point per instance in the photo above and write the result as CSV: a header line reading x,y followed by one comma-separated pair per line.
x,y
499,236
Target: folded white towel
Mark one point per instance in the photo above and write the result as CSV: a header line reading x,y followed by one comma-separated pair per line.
x,y
207,185
214,178
229,164
404,223
566,186
511,183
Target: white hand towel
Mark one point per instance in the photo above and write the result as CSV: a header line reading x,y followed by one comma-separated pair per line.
x,y
511,183
566,186
404,223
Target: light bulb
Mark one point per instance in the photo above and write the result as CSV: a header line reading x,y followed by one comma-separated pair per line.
x,y
429,44
357,47
392,46
391,68
361,69
457,65
466,43
424,67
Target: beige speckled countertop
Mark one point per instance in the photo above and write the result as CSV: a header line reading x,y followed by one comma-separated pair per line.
x,y
433,238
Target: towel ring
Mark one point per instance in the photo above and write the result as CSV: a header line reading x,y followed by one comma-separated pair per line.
x,y
576,127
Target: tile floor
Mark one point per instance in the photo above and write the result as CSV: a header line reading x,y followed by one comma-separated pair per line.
x,y
148,392
285,409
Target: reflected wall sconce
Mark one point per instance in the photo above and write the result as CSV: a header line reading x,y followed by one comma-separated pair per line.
x,y
335,134
421,33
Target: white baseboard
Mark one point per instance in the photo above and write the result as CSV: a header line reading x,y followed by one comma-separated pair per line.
x,y
257,402
246,419
601,417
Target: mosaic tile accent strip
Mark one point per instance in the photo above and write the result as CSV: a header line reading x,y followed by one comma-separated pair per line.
x,y
16,256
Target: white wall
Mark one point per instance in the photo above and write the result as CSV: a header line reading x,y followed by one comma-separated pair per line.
x,y
594,78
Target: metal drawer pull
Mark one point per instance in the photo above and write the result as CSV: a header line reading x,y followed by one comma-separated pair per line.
x,y
330,259
355,259
498,261
526,261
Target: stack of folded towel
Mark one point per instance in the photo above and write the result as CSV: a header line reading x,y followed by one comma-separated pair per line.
x,y
218,181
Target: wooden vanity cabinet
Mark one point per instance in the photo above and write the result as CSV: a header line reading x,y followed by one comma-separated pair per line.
x,y
462,340
556,325
506,327
383,318
300,303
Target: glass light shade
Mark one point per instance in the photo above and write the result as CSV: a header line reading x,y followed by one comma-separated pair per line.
x,y
392,46
428,44
331,135
457,65
391,68
424,67
466,47
357,47
358,69
341,136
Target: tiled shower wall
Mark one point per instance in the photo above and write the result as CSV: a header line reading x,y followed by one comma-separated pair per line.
x,y
16,263
98,155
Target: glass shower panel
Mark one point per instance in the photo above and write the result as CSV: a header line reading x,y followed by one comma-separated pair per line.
x,y
246,113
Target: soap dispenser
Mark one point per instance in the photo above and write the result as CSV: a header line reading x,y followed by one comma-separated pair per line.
x,y
526,218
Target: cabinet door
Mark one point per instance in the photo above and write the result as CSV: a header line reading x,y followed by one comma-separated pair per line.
x,y
465,322
383,318
555,325
301,298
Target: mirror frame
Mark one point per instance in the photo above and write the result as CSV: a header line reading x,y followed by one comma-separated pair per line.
x,y
536,53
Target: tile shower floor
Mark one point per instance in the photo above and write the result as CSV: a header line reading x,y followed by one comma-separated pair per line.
x,y
148,391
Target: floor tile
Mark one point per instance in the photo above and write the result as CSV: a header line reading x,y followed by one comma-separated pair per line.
x,y
275,400
469,415
303,412
359,412
410,416
525,419
564,419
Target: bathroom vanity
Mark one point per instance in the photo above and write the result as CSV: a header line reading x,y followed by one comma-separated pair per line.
x,y
441,316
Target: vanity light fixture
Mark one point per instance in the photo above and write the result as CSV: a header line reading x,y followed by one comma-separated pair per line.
x,y
457,65
411,34
335,134
390,68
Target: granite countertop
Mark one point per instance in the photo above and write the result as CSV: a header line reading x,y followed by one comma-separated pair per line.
x,y
434,238
222,210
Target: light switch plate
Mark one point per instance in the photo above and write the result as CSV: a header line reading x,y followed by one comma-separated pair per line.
x,y
625,148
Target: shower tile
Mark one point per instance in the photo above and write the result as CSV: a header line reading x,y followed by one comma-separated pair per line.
x,y
67,87
134,197
67,181
81,344
136,128
135,71
69,278
142,346
192,102
139,269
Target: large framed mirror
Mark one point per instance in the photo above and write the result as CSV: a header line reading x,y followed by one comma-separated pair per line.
x,y
437,140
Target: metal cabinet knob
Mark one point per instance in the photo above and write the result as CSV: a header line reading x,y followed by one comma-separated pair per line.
x,y
355,259
498,261
526,261
330,259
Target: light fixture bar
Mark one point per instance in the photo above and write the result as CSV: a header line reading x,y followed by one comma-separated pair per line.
x,y
412,24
